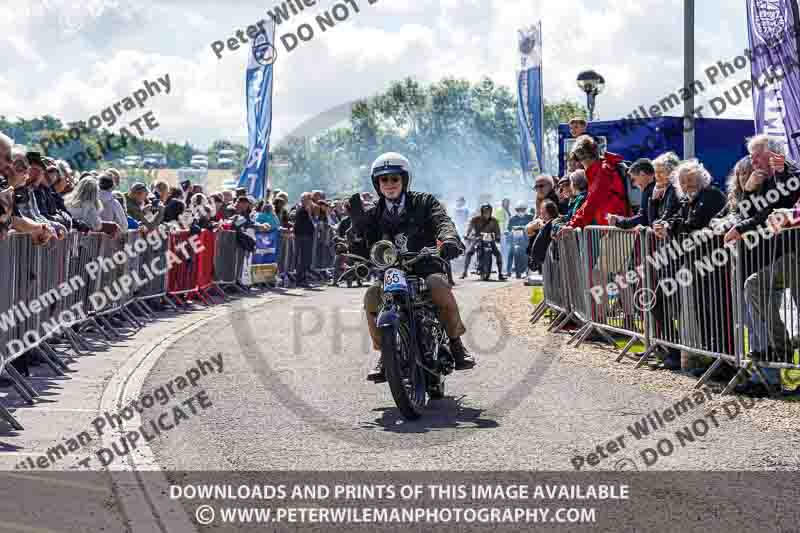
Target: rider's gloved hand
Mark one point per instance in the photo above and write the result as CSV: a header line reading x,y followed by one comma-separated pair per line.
x,y
450,249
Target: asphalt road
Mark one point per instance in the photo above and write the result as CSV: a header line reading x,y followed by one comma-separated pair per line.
x,y
293,396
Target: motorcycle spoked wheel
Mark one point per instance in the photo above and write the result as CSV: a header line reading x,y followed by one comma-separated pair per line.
x,y
406,378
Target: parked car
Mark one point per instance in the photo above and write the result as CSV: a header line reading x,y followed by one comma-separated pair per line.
x,y
199,161
155,161
132,161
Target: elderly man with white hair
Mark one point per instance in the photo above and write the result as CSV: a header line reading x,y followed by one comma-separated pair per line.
x,y
700,202
774,184
771,266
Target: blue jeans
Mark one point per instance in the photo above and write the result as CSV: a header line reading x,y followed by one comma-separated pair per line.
x,y
756,336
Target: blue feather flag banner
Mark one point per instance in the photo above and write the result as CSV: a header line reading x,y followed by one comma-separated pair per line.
x,y
258,98
530,102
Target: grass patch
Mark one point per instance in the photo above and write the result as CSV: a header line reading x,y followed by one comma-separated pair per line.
x,y
537,295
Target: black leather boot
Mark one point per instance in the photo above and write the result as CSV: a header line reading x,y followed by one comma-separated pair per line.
x,y
464,359
377,375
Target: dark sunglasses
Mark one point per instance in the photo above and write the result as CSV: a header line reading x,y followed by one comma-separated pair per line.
x,y
540,186
20,165
393,179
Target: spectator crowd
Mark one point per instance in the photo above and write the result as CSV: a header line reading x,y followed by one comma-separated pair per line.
x,y
679,199
44,198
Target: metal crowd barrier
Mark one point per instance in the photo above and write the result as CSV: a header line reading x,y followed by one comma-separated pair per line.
x,y
193,276
610,263
692,294
152,260
55,293
767,323
228,259
556,294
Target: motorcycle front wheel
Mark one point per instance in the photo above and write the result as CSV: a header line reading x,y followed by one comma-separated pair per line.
x,y
406,378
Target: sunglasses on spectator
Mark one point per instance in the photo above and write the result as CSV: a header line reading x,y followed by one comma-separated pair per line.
x,y
391,178
540,186
20,165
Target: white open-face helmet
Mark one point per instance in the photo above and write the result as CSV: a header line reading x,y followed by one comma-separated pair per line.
x,y
521,206
391,163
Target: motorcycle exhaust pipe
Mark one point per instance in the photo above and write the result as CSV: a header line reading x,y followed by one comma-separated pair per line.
x,y
362,272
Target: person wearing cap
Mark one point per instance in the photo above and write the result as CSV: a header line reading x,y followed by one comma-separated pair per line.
x,y
112,210
279,202
137,208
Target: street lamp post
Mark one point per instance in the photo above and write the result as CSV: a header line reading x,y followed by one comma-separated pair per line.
x,y
592,84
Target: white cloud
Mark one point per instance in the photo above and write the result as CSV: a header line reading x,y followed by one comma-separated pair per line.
x,y
72,59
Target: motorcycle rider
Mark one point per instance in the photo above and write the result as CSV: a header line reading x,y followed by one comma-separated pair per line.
x,y
521,218
412,220
484,223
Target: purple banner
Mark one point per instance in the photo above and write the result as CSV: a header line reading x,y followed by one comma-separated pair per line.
x,y
775,70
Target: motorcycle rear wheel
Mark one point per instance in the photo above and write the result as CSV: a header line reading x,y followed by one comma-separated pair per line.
x,y
406,379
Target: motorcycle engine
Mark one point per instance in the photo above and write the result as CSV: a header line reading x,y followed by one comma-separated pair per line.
x,y
432,335
430,332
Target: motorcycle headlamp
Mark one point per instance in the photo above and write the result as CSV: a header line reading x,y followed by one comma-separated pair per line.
x,y
383,254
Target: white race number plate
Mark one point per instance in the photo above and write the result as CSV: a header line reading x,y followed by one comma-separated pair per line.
x,y
395,281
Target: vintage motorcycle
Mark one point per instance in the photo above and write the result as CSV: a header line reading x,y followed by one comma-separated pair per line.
x,y
414,345
484,254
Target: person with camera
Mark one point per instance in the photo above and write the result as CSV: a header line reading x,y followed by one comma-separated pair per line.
x,y
148,216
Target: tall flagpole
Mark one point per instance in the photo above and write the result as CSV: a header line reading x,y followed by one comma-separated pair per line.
x,y
688,79
541,99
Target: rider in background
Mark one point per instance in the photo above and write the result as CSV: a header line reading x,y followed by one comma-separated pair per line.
x,y
461,215
413,221
521,218
484,223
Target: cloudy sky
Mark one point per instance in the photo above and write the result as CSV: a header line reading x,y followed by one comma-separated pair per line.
x,y
73,59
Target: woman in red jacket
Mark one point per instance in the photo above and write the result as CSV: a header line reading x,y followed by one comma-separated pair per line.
x,y
606,195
